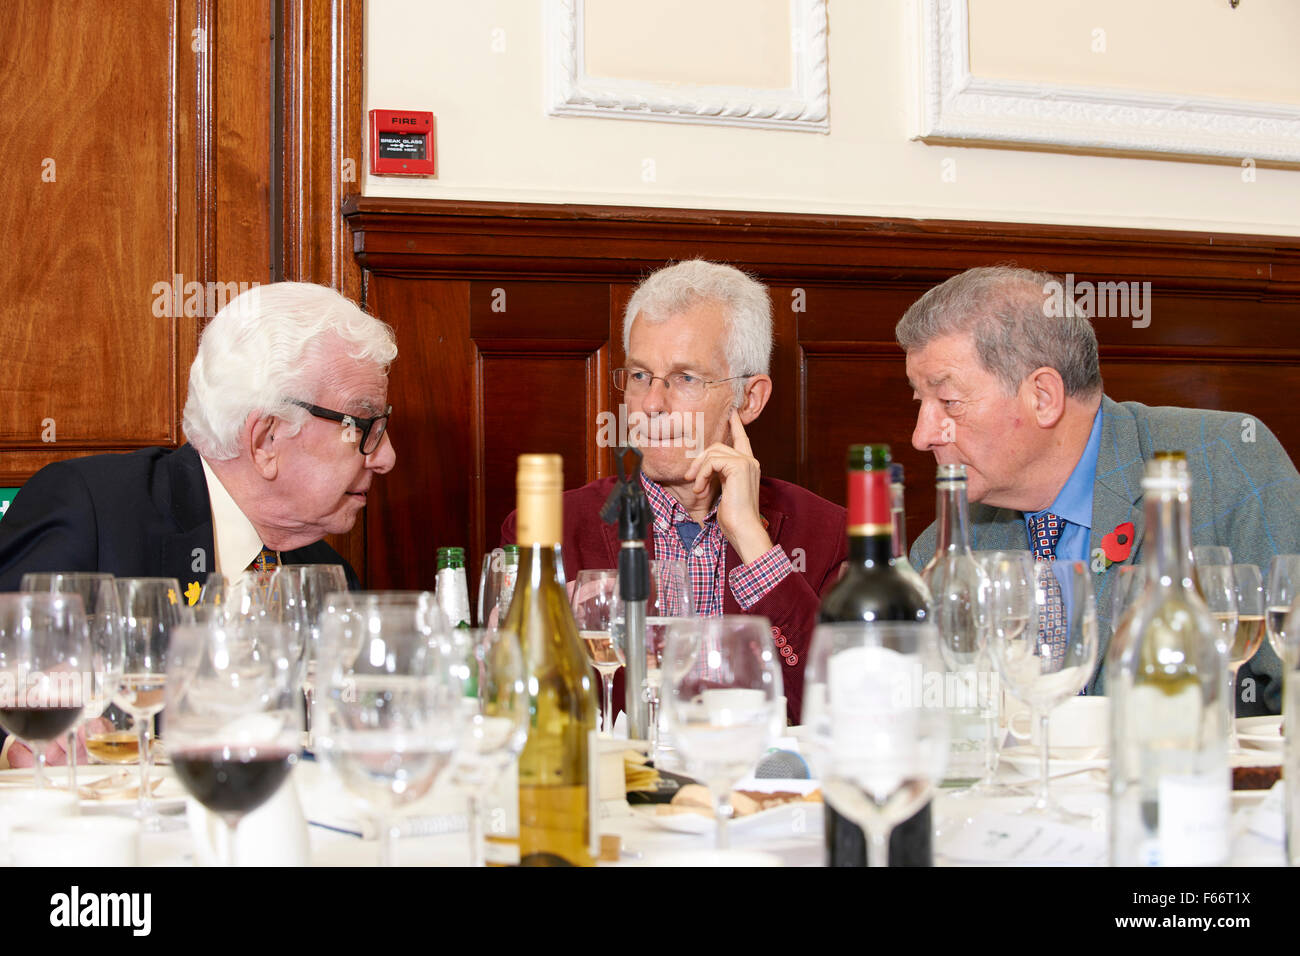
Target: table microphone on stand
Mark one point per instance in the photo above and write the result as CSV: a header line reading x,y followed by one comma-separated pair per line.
x,y
628,507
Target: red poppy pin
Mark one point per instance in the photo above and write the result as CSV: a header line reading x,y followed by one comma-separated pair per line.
x,y
1119,543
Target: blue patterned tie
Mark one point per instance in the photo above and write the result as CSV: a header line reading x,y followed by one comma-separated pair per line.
x,y
1045,531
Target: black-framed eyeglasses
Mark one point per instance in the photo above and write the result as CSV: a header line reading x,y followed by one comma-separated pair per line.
x,y
685,385
369,431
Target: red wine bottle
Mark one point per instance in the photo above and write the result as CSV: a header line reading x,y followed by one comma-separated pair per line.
x,y
875,587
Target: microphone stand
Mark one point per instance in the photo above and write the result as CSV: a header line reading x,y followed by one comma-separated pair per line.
x,y
628,507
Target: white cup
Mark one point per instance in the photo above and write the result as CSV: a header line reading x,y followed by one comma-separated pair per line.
x,y
1077,725
76,841
275,834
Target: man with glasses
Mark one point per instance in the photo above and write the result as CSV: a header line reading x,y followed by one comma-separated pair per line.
x,y
286,419
698,341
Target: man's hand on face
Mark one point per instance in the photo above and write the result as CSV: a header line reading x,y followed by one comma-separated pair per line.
x,y
738,473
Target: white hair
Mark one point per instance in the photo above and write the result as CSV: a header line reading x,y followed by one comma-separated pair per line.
x,y
748,308
266,347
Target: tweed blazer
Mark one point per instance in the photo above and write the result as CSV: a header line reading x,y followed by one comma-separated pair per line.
x,y
1245,494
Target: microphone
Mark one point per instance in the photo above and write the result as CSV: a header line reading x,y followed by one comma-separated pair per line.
x,y
782,765
628,507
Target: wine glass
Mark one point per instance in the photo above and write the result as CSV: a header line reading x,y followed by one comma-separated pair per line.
x,y
388,702
1011,588
1051,658
496,588
1128,585
45,669
314,584
670,600
103,629
1248,584
1212,555
878,749
494,718
151,608
1219,588
1280,595
721,695
594,601
234,723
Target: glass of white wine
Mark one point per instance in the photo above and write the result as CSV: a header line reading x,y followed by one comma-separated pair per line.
x,y
1280,593
878,749
594,600
151,608
1248,585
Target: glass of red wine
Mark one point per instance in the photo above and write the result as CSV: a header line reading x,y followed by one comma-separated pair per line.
x,y
103,630
234,724
45,668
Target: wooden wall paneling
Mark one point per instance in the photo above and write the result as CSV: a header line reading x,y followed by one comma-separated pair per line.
x,y
427,500
87,220
323,75
1225,327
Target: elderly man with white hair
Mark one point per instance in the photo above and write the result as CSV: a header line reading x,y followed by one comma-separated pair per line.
x,y
286,418
698,341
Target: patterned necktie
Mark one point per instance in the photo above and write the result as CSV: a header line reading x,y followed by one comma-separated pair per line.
x,y
266,560
1045,530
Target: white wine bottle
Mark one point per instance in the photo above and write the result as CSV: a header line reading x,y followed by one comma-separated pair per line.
x,y
1166,674
554,806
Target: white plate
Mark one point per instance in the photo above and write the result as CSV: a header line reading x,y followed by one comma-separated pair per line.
x,y
801,817
169,795
1025,760
1260,733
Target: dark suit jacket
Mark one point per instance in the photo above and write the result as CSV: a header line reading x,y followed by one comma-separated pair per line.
x,y
809,528
143,514
1245,494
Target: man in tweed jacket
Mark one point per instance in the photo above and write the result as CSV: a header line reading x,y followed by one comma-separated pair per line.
x,y
1013,390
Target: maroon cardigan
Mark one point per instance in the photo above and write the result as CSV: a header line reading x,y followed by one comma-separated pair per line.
x,y
809,528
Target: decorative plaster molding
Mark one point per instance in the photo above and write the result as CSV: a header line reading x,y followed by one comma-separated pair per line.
x,y
955,106
804,106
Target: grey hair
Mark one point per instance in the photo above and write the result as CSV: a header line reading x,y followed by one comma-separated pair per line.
x,y
269,345
1004,310
745,301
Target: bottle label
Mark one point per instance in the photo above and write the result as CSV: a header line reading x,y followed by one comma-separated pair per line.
x,y
453,596
869,503
1194,811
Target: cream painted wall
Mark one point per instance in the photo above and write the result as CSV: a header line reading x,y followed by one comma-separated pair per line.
x,y
480,68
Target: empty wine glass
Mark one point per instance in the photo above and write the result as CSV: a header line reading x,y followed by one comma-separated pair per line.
x,y
670,601
45,668
388,705
494,718
315,583
722,691
594,600
1280,594
103,630
1212,554
496,587
877,748
1011,589
234,724
1051,658
1126,589
151,608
